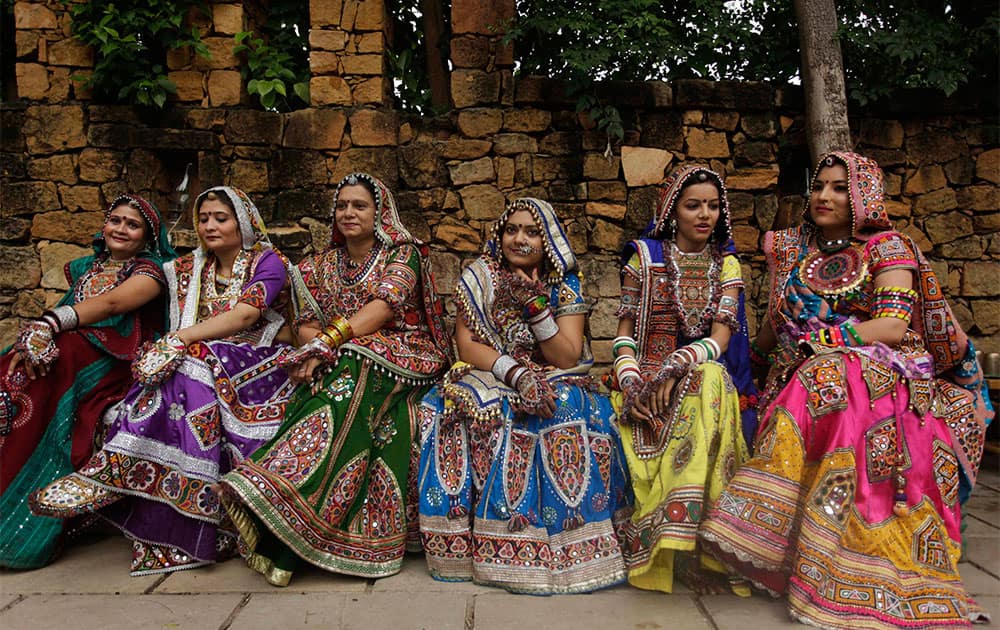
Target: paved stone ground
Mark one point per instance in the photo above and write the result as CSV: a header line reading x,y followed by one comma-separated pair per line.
x,y
89,587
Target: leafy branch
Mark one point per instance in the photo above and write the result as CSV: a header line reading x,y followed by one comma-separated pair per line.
x,y
269,74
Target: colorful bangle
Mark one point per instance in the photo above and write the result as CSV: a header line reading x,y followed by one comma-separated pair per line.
x,y
342,326
623,342
535,306
852,334
626,368
543,325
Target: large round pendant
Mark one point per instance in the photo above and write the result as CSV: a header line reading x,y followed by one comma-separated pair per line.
x,y
833,274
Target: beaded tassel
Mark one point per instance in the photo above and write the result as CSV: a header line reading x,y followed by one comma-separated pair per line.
x,y
899,507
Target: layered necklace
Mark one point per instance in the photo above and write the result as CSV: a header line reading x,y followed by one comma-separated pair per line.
x,y
835,269
693,321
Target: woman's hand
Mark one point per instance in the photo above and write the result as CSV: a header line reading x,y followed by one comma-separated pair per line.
x,y
32,371
537,395
303,372
659,400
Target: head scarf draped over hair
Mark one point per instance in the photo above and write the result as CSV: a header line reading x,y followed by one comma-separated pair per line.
x,y
867,193
390,232
254,238
672,188
559,256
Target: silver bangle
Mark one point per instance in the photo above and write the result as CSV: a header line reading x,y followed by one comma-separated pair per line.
x,y
504,364
544,326
65,316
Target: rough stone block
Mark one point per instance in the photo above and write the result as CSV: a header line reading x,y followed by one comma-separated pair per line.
x,y
372,91
294,167
723,121
33,15
421,166
765,209
893,185
178,58
887,134
461,149
20,267
609,190
32,81
59,84
887,157
54,257
960,170
925,179
934,146
733,95
314,129
224,87
514,143
607,236
505,172
26,44
662,130
947,226
746,238
979,198
986,314
381,162
754,153
100,165
327,40
363,64
482,202
614,211
248,175
58,168
988,166
329,90
897,209
596,166
222,57
536,89
70,52
752,179
981,279
365,43
968,248
471,52
758,125
28,198
29,304
446,268
78,227
477,171
563,167
80,198
523,169
325,12
369,15
14,228
190,85
479,123
560,143
310,206
227,18
706,144
643,166
482,17
247,126
474,87
373,127
323,62
456,235
527,120
940,200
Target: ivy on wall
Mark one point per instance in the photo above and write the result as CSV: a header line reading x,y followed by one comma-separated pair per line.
x,y
130,42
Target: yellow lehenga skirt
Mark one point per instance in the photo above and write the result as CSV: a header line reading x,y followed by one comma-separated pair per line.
x,y
678,468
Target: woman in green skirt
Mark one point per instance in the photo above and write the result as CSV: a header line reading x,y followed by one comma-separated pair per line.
x,y
333,487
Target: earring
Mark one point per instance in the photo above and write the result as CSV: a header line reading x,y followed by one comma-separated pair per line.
x,y
673,227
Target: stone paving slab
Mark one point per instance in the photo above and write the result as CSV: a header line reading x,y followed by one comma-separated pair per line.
x,y
266,611
735,613
109,612
233,576
414,577
982,545
984,503
7,599
604,609
407,611
89,565
978,583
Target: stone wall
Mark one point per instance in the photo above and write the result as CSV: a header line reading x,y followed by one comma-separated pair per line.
x,y
64,158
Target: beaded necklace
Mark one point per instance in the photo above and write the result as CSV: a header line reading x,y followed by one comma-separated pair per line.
x,y
349,271
693,323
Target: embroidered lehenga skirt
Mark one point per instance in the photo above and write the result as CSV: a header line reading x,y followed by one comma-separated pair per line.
x,y
529,504
331,487
811,515
678,469
169,445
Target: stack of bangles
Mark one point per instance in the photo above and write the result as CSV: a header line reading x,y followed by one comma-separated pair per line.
x,y
696,352
894,302
336,333
843,336
61,318
539,317
626,366
508,370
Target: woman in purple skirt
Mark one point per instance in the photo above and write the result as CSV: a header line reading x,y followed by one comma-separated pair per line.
x,y
207,395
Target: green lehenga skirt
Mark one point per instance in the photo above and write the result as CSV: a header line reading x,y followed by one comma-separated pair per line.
x,y
333,486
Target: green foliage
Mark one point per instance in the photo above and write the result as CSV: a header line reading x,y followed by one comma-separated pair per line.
x,y
888,45
277,64
408,57
130,41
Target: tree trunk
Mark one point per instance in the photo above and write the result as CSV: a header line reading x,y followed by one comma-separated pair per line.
x,y
437,72
822,77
